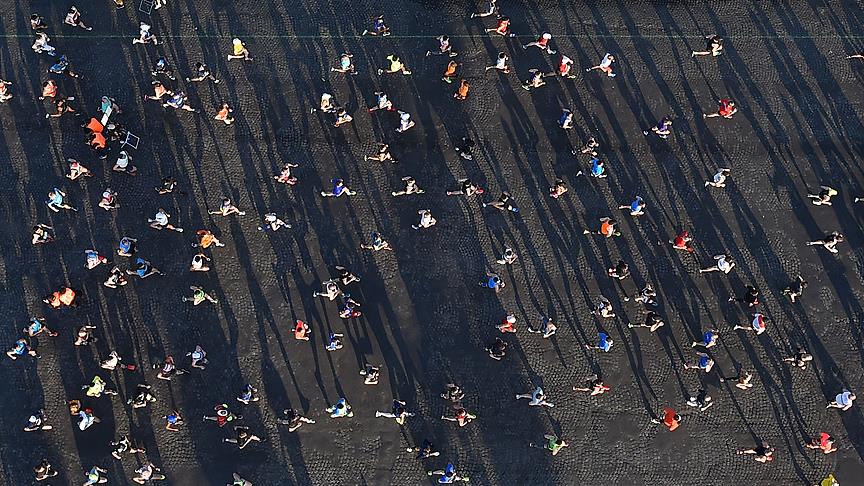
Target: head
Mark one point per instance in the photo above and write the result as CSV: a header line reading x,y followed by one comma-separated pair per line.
x,y
236,42
546,36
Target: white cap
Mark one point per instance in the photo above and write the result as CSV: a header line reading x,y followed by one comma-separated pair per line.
x,y
547,35
236,42
404,116
145,26
511,319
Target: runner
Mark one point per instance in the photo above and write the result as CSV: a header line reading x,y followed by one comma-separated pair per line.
x,y
670,419
724,263
202,72
73,18
411,187
719,178
637,207
224,114
594,385
757,325
382,154
77,170
843,400
553,444
377,243
239,50
227,208
823,442
714,47
541,43
399,412
444,47
293,419
726,109
824,196
704,363
605,65
608,228
144,35
426,220
709,339
285,176
536,398
604,343
340,409
763,453
379,28
829,242
500,64
381,103
502,27
42,234
394,65
339,188
795,290
122,164
160,221
345,64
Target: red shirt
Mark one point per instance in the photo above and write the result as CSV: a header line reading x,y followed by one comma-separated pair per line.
x,y
726,107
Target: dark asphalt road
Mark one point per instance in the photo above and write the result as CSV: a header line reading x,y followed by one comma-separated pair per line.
x,y
425,320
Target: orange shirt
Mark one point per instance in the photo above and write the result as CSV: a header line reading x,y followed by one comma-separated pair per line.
x,y
463,90
607,229
68,296
223,114
670,420
98,141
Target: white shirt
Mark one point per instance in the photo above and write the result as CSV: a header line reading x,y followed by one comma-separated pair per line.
x,y
161,218
607,61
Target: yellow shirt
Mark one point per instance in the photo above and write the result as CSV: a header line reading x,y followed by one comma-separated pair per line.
x,y
238,49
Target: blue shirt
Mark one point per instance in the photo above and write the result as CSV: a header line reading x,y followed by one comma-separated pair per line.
x,y
636,205
605,345
708,337
703,362
596,168
57,198
35,326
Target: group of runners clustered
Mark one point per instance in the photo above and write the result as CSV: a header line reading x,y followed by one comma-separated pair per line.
x,y
104,137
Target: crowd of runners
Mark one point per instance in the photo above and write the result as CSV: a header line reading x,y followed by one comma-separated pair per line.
x,y
109,139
